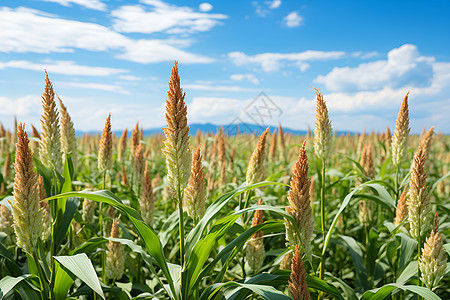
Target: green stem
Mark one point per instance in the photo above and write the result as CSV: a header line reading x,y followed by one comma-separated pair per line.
x,y
181,229
322,218
397,171
42,279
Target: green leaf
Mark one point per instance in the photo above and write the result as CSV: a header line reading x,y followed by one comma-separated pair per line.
x,y
408,272
81,266
63,282
194,236
266,292
321,285
386,291
13,268
147,234
71,204
8,283
408,246
358,262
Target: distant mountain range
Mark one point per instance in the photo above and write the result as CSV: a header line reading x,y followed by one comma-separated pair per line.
x,y
230,129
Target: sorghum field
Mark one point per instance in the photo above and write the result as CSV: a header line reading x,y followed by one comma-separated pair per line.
x,y
192,215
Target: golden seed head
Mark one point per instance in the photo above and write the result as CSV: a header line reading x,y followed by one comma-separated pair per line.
x,y
282,150
115,257
138,166
195,192
68,139
426,141
322,132
402,209
366,161
147,201
419,209
27,212
297,284
255,170
50,144
401,134
273,148
105,148
177,150
300,204
433,261
89,211
255,252
122,147
135,139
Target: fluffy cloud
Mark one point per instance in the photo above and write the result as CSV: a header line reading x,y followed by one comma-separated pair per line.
x,y
62,67
96,86
205,6
270,62
275,4
293,19
404,67
162,17
250,77
26,30
217,88
92,4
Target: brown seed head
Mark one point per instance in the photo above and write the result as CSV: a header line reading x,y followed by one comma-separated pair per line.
x,y
105,149
122,147
402,209
300,204
297,285
68,139
147,201
195,192
177,150
255,170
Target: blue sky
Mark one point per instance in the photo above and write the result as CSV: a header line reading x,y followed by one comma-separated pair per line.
x,y
115,56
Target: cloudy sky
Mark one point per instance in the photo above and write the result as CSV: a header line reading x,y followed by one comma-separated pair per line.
x,y
115,56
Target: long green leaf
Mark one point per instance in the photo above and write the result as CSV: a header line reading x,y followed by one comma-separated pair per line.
x,y
81,266
63,282
266,292
148,235
8,283
386,291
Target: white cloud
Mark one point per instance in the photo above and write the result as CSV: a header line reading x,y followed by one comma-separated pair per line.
x,y
62,67
217,88
275,4
205,7
25,30
130,78
404,66
250,77
293,19
92,4
93,85
162,17
273,61
152,51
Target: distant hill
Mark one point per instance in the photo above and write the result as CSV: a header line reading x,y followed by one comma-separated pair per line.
x,y
230,129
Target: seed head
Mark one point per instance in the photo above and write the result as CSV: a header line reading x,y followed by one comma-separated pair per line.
x,y
122,147
50,144
255,170
27,212
401,133
419,209
402,209
195,192
147,201
115,258
300,205
255,252
297,285
105,149
68,139
177,150
433,261
322,132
